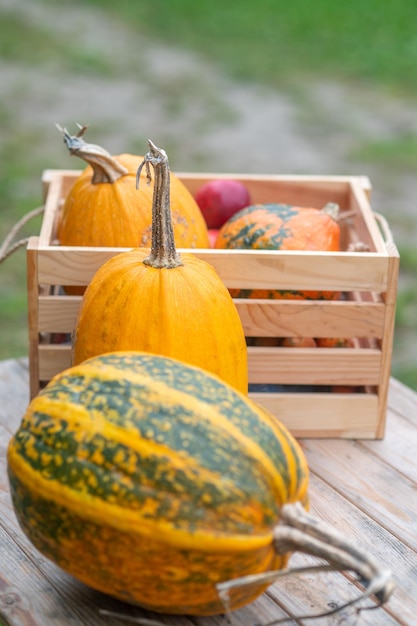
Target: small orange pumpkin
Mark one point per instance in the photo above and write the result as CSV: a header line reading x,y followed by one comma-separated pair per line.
x,y
104,208
164,303
282,227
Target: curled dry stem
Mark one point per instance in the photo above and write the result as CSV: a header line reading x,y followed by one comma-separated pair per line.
x,y
106,169
299,531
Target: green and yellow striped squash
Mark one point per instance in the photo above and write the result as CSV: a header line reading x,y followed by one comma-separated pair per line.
x,y
152,480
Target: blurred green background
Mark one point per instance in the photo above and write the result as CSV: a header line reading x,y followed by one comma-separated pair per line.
x,y
272,86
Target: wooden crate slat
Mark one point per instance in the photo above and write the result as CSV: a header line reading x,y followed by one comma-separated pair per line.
x,y
58,314
303,366
66,179
52,204
265,269
53,359
33,333
260,318
312,190
300,318
323,414
314,366
364,212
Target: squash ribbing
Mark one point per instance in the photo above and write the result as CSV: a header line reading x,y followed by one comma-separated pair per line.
x,y
139,450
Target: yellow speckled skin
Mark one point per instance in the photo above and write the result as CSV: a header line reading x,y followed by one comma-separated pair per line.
x,y
152,481
119,215
184,312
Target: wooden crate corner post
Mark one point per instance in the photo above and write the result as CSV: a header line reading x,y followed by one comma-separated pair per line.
x,y
390,300
33,314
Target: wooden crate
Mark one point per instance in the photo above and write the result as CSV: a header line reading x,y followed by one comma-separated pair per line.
x,y
295,384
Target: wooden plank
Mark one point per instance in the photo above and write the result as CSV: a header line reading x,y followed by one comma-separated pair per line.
x,y
298,318
375,487
264,269
33,314
323,415
14,392
312,190
364,212
52,204
286,366
66,177
53,359
390,298
260,318
398,448
58,314
313,366
402,401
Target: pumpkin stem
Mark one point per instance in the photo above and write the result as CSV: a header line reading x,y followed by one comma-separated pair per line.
x,y
163,251
332,210
106,169
299,531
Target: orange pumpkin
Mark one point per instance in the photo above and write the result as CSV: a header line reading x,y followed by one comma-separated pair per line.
x,y
282,227
164,303
334,342
104,208
298,342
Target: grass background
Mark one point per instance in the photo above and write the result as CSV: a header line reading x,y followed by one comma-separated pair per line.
x,y
277,42
271,42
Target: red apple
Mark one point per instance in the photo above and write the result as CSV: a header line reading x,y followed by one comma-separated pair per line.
x,y
221,198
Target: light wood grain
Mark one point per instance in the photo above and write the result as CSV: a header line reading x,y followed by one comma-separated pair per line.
x,y
315,191
54,197
248,269
324,366
347,366
269,365
324,414
260,318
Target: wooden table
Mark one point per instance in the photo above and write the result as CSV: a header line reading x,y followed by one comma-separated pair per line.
x,y
367,489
